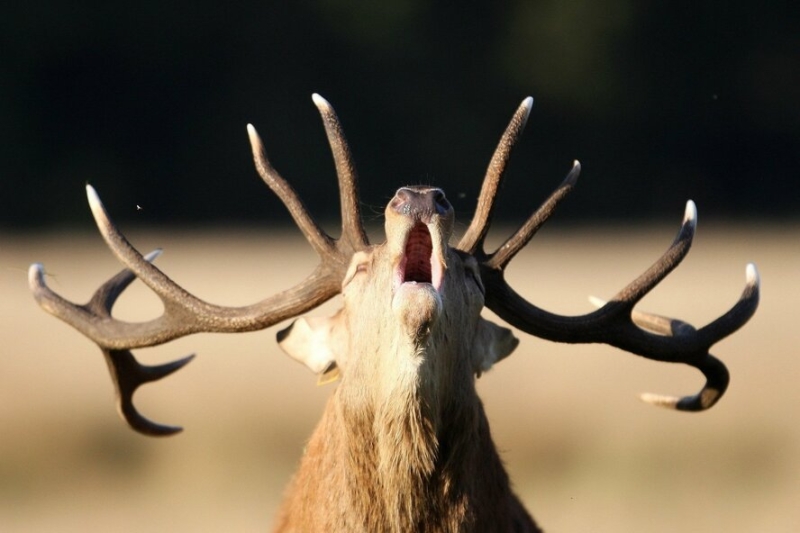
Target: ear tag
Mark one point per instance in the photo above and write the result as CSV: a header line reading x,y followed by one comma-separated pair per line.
x,y
330,375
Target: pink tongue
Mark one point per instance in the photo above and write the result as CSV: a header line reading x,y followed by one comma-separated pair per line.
x,y
418,256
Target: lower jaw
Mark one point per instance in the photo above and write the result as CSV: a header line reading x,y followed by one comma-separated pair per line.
x,y
417,306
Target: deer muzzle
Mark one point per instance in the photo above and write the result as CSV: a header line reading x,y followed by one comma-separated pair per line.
x,y
419,223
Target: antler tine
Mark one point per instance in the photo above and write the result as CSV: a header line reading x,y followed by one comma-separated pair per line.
x,y
476,232
184,313
319,240
352,225
160,283
740,313
617,324
727,324
126,373
658,324
506,252
717,376
638,288
717,380
592,327
94,318
52,302
106,295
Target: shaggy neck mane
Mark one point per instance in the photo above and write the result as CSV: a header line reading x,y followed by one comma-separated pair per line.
x,y
405,435
403,449
402,455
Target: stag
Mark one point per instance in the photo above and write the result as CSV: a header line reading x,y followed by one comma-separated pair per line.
x,y
403,443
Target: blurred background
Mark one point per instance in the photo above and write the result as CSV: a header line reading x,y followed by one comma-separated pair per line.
x,y
660,101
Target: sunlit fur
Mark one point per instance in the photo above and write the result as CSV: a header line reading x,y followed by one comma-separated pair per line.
x,y
404,443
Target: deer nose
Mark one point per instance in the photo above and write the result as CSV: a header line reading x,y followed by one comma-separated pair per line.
x,y
420,203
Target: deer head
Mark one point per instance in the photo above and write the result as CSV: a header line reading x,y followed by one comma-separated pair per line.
x,y
410,320
409,334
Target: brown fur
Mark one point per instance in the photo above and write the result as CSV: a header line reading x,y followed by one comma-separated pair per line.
x,y
389,469
404,444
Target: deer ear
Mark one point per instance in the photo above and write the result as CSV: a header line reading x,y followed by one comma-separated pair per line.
x,y
311,341
493,343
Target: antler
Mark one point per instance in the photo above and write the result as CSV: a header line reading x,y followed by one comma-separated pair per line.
x,y
184,313
615,322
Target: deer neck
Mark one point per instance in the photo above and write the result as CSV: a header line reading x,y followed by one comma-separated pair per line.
x,y
403,441
401,447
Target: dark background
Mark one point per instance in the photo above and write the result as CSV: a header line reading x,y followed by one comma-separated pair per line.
x,y
660,101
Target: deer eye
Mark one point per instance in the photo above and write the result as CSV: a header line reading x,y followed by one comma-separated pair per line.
x,y
360,265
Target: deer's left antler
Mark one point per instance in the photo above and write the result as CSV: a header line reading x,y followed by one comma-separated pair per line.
x,y
616,322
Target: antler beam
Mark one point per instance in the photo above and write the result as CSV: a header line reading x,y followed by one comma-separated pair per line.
x,y
184,313
615,323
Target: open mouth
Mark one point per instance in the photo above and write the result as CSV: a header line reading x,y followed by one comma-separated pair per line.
x,y
419,264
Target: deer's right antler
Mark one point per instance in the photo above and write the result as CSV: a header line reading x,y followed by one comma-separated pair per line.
x,y
616,322
184,313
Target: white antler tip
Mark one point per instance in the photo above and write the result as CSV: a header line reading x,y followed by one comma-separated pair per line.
x,y
597,302
528,102
98,210
690,215
660,400
751,275
527,105
320,102
153,255
36,275
253,134
574,172
94,199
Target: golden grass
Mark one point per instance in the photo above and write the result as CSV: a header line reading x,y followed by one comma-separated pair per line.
x,y
583,452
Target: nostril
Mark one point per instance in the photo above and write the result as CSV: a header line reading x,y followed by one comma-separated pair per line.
x,y
420,203
400,201
442,205
403,194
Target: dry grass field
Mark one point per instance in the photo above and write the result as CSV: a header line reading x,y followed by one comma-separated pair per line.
x,y
584,453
